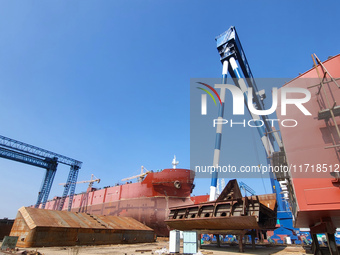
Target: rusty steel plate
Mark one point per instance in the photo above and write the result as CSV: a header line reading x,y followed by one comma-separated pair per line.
x,y
218,223
39,227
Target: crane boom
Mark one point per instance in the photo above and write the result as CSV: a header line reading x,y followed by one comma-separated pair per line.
x,y
246,189
93,179
230,49
232,55
139,176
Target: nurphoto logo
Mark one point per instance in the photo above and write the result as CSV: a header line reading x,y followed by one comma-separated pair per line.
x,y
239,98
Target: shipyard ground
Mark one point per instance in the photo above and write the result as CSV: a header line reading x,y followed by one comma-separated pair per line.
x,y
156,247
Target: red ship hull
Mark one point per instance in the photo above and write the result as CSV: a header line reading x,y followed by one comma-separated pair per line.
x,y
147,201
313,143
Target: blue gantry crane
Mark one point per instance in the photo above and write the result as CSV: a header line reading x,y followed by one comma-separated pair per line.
x,y
35,156
246,189
235,63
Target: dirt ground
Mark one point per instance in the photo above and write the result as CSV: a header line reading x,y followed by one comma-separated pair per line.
x,y
159,246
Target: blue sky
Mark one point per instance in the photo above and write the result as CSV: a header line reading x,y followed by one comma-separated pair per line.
x,y
107,82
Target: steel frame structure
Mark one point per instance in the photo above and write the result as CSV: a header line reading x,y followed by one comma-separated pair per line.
x,y
35,156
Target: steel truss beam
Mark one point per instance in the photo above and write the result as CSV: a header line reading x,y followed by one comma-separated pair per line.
x,y
36,151
35,156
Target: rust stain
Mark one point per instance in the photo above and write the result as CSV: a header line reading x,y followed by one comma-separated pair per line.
x,y
229,212
39,227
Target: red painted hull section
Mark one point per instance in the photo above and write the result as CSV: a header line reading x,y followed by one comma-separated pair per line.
x,y
147,201
317,196
200,199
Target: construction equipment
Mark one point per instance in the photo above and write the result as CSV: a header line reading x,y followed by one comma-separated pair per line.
x,y
85,197
140,176
35,156
235,62
246,189
93,179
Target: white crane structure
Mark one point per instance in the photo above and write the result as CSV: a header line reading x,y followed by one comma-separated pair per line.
x,y
93,179
139,176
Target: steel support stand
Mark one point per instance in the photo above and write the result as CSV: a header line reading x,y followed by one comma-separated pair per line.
x,y
53,163
47,182
41,193
199,239
75,170
333,249
253,240
315,245
240,243
218,240
70,185
51,174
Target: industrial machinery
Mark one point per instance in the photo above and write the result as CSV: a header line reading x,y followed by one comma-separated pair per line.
x,y
35,156
311,148
85,197
140,176
235,62
246,189
90,182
